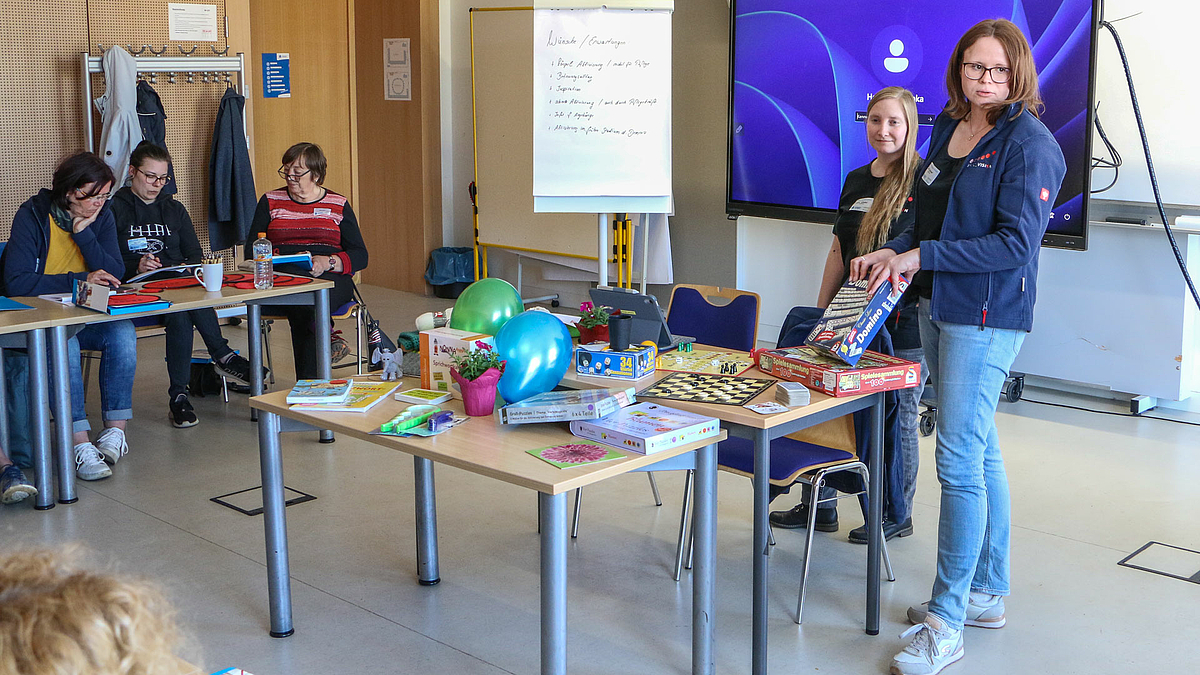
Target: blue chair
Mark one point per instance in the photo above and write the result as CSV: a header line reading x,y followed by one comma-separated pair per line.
x,y
717,317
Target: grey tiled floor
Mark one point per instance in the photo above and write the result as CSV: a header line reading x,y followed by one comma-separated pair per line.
x,y
1087,490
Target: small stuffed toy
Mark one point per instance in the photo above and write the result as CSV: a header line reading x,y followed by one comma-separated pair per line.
x,y
391,363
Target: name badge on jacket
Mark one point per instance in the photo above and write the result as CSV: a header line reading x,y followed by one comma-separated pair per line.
x,y
863,204
931,174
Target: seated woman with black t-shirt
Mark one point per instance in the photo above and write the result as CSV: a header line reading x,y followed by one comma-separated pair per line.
x,y
873,199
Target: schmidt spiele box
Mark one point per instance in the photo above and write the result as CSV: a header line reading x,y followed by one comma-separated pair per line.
x,y
874,371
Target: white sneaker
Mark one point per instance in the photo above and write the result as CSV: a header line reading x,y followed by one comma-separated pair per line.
x,y
88,465
111,443
935,646
983,611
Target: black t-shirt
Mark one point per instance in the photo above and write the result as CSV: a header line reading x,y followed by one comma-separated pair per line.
x,y
858,193
933,197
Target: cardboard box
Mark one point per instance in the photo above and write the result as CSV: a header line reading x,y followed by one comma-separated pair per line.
x,y
438,345
853,318
647,428
631,364
874,371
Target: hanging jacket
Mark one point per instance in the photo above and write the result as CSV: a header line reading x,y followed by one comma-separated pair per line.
x,y
23,264
118,111
163,226
153,120
231,196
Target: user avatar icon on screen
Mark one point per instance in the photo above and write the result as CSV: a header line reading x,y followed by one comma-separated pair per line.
x,y
896,63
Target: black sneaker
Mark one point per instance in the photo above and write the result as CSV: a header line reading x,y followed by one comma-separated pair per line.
x,y
797,517
182,415
235,368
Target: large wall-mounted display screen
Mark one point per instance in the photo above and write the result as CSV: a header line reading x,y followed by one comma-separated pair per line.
x,y
803,72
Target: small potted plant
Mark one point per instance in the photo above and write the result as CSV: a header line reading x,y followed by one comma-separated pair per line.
x,y
477,372
593,325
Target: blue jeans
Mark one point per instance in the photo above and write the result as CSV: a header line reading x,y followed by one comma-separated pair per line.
x,y
968,366
117,343
910,427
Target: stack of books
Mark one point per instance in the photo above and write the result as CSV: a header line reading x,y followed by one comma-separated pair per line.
x,y
792,394
319,391
361,397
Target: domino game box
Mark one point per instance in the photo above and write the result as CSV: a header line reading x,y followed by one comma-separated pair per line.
x,y
853,318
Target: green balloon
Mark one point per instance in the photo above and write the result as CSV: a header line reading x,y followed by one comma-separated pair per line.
x,y
485,306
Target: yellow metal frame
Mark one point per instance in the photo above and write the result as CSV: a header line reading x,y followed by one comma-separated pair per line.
x,y
623,228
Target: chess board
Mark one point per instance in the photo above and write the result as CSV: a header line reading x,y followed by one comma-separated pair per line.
x,y
706,388
705,361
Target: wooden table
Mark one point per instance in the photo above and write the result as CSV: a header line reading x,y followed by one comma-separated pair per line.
x,y
762,429
58,319
484,447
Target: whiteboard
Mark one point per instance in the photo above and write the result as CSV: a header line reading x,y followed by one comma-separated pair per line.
x,y
502,96
601,110
1160,45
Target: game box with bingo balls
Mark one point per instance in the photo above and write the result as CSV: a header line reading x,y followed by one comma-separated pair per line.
x,y
631,364
823,373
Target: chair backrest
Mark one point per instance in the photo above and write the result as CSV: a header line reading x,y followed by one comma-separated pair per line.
x,y
698,311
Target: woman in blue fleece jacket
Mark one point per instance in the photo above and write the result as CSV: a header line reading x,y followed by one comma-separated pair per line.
x,y
981,204
59,236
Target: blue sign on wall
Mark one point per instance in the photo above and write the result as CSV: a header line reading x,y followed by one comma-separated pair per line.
x,y
277,75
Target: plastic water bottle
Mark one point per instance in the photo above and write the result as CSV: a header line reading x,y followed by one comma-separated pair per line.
x,y
264,269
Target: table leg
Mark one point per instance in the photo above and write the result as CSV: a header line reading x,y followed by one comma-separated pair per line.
x,y
321,315
61,381
554,582
427,543
279,582
254,329
704,572
762,472
875,527
39,419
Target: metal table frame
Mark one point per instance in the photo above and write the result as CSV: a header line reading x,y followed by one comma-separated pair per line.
x,y
55,377
553,538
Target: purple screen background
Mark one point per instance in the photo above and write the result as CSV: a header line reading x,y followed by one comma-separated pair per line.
x,y
802,70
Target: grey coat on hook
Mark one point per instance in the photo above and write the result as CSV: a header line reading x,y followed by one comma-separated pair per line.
x,y
118,111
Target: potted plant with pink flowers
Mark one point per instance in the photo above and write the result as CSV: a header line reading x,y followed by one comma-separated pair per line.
x,y
593,324
477,371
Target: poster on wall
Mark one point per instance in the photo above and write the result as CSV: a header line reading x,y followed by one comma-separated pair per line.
x,y
397,69
277,75
191,23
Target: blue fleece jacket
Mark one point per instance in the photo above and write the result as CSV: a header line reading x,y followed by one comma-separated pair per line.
x,y
22,267
985,263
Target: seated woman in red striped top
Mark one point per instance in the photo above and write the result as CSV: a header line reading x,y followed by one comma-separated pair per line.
x,y
305,217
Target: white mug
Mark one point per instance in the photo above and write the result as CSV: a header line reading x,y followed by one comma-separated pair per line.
x,y
211,275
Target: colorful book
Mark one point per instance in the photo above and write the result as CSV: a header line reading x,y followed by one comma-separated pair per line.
x,y
320,391
302,259
564,406
853,318
363,396
101,298
569,455
427,396
647,428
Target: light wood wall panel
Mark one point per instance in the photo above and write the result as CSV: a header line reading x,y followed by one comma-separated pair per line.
x,y
40,110
316,36
399,202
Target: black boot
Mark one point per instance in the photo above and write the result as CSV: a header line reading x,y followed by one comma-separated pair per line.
x,y
797,517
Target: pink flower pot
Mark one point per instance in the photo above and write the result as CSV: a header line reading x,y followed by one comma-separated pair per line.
x,y
479,395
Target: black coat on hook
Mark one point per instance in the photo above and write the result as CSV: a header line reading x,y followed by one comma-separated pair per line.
x,y
153,120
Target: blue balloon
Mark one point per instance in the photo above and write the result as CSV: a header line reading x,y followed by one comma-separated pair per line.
x,y
536,347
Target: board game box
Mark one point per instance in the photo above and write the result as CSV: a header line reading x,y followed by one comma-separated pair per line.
x,y
853,318
647,428
874,372
438,345
563,406
631,364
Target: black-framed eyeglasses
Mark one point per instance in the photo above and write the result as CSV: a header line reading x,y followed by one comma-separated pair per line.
x,y
292,176
975,71
154,178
